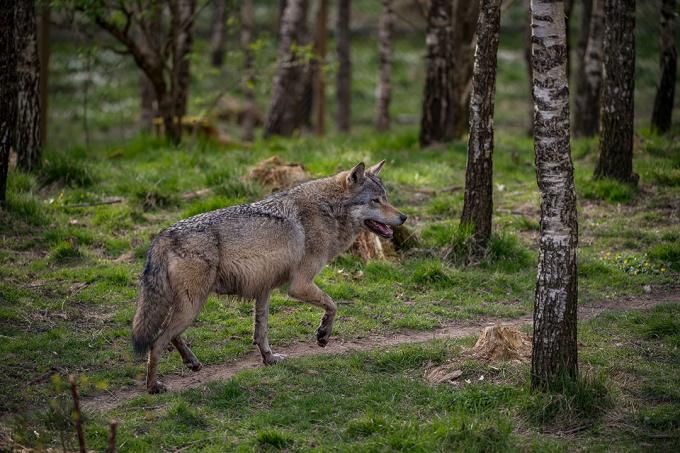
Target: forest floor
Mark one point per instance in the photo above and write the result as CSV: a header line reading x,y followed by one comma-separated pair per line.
x,y
73,241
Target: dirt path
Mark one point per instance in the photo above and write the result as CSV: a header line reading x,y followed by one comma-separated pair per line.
x,y
210,373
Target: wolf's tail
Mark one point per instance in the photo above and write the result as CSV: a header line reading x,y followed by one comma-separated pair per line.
x,y
155,300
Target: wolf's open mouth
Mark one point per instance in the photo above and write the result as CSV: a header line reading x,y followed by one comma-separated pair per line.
x,y
379,228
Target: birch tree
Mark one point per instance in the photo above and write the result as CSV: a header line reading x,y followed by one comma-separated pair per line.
x,y
384,88
668,61
478,201
8,91
344,76
436,123
587,117
465,13
287,111
617,105
28,142
247,28
554,352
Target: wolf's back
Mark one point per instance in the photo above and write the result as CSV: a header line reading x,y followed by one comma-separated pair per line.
x,y
155,299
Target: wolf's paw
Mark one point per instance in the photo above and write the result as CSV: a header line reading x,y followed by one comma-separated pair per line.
x,y
158,387
194,366
322,336
273,359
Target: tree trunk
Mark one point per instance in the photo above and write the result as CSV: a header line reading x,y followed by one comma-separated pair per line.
x,y
28,144
384,89
478,201
587,117
320,45
183,19
247,27
287,110
463,49
436,124
568,8
580,93
554,352
8,91
344,78
530,72
148,103
617,109
218,33
44,51
665,92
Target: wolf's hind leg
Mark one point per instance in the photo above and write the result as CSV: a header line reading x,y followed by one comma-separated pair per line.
x,y
152,384
187,354
260,336
307,291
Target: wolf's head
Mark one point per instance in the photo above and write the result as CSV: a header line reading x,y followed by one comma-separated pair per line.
x,y
367,200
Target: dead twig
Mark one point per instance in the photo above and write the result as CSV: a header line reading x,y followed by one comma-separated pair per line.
x,y
112,200
112,437
77,415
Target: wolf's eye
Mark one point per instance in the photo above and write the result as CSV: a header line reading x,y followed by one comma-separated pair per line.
x,y
376,200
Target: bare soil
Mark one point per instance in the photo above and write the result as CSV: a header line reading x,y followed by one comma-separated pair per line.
x,y
176,382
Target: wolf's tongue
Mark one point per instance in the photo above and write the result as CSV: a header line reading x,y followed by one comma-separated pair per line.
x,y
380,228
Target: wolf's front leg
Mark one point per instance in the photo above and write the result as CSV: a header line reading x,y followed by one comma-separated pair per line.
x,y
307,291
262,330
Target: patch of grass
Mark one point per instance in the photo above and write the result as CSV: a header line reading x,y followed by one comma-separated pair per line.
x,y
65,251
570,403
662,323
206,205
666,254
71,169
429,273
507,248
606,189
273,438
185,419
149,194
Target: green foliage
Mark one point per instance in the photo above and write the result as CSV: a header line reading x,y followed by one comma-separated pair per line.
x,y
184,419
662,323
71,170
274,439
666,255
65,251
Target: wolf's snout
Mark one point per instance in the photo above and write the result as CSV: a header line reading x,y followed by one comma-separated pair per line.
x,y
402,218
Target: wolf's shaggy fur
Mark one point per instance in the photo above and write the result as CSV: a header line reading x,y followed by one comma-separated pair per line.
x,y
249,250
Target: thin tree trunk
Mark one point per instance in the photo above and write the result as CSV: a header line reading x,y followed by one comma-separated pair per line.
x,y
665,92
587,117
183,26
287,110
465,15
148,103
247,27
8,91
580,93
436,124
554,352
320,45
530,72
344,78
617,108
568,8
478,201
44,51
218,33
28,144
384,89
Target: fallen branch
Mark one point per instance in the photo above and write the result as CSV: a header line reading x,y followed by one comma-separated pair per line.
x,y
112,200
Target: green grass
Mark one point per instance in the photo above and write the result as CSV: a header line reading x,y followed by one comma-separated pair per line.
x,y
68,274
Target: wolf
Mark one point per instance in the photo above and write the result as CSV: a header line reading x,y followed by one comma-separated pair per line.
x,y
248,251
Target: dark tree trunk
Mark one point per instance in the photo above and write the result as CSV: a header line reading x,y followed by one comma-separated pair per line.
x,y
344,78
436,124
568,9
28,144
148,108
617,109
527,62
287,109
8,91
384,90
247,28
184,18
554,352
218,33
580,92
587,117
478,201
320,45
44,50
465,15
665,91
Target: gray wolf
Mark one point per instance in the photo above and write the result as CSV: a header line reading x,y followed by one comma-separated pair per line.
x,y
249,250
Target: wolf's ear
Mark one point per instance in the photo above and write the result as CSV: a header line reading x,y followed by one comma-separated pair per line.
x,y
374,170
356,175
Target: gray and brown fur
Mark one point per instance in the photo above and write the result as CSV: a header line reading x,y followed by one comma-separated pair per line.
x,y
248,251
